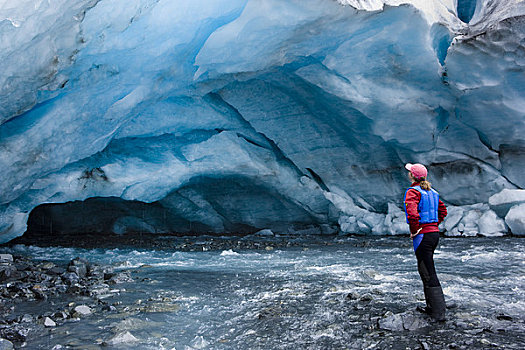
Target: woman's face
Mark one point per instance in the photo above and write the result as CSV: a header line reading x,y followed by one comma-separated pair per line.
x,y
411,177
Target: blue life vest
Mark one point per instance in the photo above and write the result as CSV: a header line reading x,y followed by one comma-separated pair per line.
x,y
427,207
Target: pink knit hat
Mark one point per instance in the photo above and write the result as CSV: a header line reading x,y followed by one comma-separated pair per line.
x,y
418,170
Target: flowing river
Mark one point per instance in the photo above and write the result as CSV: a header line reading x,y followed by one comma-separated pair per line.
x,y
293,293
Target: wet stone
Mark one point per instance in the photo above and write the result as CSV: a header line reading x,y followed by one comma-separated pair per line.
x,y
14,334
70,278
109,308
78,266
77,289
7,272
60,315
366,298
121,277
27,318
98,272
82,310
22,265
46,265
80,271
56,270
402,321
5,344
27,280
353,296
121,338
39,292
49,322
6,258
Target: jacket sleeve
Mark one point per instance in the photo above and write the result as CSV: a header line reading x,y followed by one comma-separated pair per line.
x,y
412,199
442,212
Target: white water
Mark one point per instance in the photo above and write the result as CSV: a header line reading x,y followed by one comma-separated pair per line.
x,y
296,297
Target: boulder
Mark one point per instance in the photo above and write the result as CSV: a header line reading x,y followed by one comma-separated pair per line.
x,y
5,344
473,220
515,219
490,225
502,201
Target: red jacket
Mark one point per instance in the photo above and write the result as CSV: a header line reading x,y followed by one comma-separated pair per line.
x,y
411,203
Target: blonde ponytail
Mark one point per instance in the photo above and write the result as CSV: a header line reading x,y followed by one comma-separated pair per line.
x,y
424,184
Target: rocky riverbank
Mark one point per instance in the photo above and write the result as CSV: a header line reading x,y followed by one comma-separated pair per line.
x,y
62,294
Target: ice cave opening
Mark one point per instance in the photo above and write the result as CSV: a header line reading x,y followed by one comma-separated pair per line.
x,y
244,115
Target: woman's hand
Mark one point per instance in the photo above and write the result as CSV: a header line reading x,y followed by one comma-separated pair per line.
x,y
413,235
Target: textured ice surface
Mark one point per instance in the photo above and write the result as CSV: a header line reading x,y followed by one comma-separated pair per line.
x,y
242,115
516,219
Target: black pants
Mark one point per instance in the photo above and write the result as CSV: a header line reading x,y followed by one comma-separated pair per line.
x,y
425,259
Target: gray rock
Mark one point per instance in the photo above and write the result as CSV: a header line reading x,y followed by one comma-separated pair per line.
x,y
6,258
39,291
56,270
98,272
70,278
265,232
121,277
7,272
46,265
366,298
81,271
412,322
99,290
392,323
109,308
402,321
77,288
22,266
78,266
60,314
61,288
49,322
27,318
352,296
5,344
15,334
82,310
122,338
79,262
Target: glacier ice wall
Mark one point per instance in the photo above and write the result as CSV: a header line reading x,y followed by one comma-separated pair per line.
x,y
238,115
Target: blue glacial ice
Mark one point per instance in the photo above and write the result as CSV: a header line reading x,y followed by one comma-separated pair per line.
x,y
240,115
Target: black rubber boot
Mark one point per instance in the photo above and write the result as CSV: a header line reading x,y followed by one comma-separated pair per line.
x,y
437,303
427,309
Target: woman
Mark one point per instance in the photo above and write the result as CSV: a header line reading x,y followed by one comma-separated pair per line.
x,y
425,211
